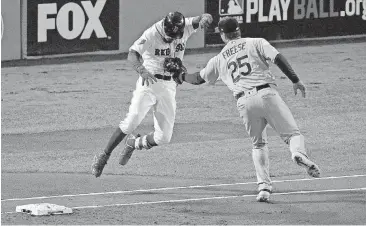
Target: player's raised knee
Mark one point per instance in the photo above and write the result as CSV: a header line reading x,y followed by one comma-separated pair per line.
x,y
129,124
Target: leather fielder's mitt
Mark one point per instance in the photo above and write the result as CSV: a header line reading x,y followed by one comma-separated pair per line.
x,y
175,67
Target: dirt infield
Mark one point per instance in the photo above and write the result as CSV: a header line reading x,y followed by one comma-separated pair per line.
x,y
56,117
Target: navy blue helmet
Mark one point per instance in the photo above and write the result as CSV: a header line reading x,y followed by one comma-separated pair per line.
x,y
174,24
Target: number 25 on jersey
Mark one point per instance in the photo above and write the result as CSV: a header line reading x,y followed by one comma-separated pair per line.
x,y
239,67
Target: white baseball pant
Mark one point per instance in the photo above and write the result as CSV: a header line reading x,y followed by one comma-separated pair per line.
x,y
267,107
161,97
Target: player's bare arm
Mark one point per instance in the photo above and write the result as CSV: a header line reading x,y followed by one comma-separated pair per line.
x,y
286,68
134,57
202,21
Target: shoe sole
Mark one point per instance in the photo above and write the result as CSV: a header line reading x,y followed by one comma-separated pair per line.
x,y
311,168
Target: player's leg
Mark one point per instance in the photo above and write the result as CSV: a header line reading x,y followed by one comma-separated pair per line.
x,y
251,113
260,155
300,157
282,121
164,117
163,130
131,122
141,103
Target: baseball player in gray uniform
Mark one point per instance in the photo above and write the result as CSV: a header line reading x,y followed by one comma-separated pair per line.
x,y
155,88
243,65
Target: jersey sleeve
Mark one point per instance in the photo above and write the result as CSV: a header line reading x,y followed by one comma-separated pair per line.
x,y
211,73
189,30
143,43
266,49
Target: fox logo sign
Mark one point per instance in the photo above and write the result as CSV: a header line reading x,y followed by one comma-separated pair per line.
x,y
85,20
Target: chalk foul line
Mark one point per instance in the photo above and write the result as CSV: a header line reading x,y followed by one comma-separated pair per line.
x,y
173,188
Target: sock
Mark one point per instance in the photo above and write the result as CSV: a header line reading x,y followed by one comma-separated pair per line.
x,y
297,144
115,139
138,143
145,142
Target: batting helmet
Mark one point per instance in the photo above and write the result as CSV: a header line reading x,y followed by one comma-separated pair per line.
x,y
174,24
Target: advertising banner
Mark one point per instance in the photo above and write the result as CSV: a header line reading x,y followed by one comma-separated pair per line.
x,y
70,26
290,19
10,30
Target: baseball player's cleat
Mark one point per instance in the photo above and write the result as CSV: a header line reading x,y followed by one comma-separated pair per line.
x,y
99,162
263,196
302,160
265,191
128,149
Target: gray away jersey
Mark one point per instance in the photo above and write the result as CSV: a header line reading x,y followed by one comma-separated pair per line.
x,y
242,64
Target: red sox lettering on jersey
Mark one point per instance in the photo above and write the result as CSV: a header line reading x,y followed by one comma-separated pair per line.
x,y
166,52
162,52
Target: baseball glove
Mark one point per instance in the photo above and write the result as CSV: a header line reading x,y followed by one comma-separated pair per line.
x,y
175,67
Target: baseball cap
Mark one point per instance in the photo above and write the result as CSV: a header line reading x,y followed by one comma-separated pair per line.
x,y
228,25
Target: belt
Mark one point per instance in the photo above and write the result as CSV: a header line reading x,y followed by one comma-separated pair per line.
x,y
241,94
163,77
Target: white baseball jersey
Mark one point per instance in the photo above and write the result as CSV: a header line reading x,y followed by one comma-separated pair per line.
x,y
242,64
153,49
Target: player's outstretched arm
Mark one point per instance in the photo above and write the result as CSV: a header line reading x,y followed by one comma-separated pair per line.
x,y
203,21
286,68
209,74
194,79
175,67
134,57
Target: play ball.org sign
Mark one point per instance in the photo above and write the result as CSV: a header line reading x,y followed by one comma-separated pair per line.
x,y
289,19
66,26
253,11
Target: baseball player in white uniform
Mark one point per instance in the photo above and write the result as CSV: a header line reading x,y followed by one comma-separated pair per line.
x,y
155,88
243,65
